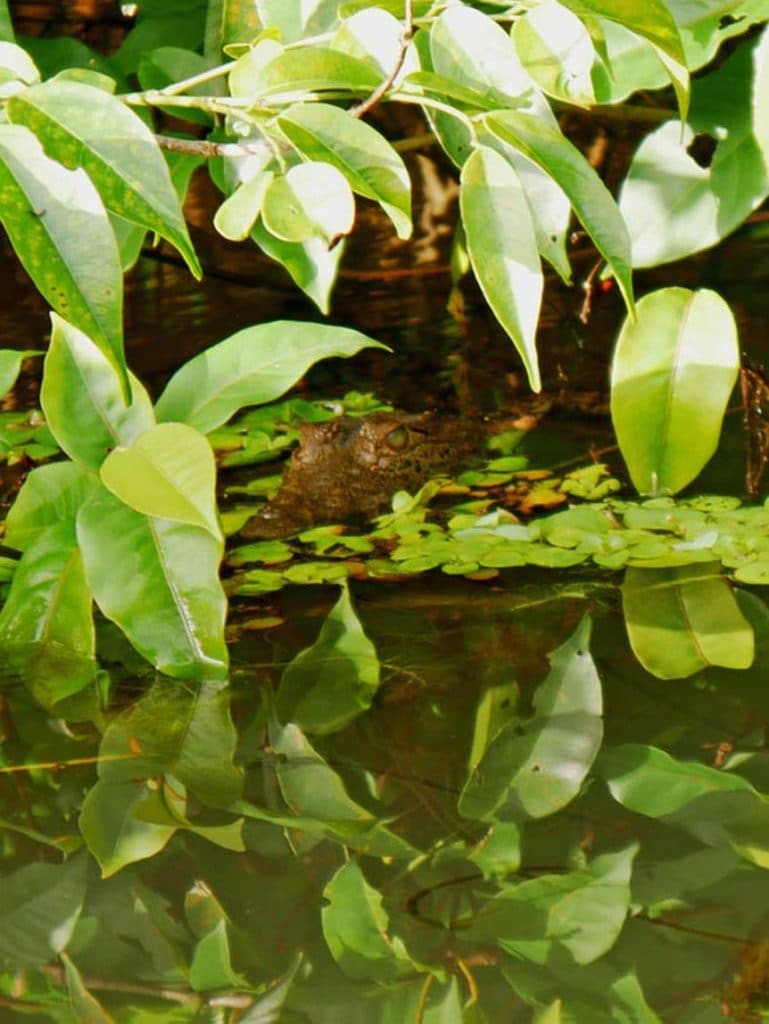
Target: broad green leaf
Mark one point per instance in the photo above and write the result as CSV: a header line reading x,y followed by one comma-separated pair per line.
x,y
503,249
167,65
50,495
550,1015
368,161
114,833
60,231
329,684
495,709
681,620
498,853
10,365
310,69
312,265
310,199
39,908
297,19
535,770
267,1009
654,22
17,69
253,366
356,929
236,216
49,603
87,128
159,582
85,1007
179,731
376,35
82,398
673,371
229,21
591,200
556,49
580,913
169,472
469,48
674,206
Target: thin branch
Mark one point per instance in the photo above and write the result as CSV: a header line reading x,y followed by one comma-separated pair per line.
x,y
202,147
381,89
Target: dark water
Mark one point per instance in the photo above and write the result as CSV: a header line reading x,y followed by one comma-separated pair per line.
x,y
352,854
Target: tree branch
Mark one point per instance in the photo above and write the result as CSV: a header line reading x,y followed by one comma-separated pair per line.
x,y
381,89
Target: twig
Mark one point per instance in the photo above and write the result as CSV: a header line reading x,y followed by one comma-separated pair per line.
x,y
202,147
381,89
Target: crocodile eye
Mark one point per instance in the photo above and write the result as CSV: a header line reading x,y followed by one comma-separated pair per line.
x,y
397,439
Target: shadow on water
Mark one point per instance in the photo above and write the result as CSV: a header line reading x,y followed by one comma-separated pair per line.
x,y
432,800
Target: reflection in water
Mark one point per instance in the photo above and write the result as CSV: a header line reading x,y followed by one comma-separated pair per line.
x,y
419,817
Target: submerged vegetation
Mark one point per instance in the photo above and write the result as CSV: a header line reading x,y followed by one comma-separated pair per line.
x,y
521,877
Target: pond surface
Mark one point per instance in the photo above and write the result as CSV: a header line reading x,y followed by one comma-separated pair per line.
x,y
427,799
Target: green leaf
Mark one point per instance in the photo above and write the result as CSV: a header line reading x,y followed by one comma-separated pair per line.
x,y
681,620
503,249
557,51
296,19
49,603
167,65
88,128
673,371
653,22
592,201
115,835
49,496
82,398
159,581
17,69
310,199
368,161
312,265
550,1015
356,929
573,917
39,908
236,216
329,684
377,36
10,365
671,204
86,1008
268,1008
211,966
253,366
169,472
60,231
536,770
6,25
308,69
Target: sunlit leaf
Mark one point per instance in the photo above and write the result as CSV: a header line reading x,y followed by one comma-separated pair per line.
x,y
654,22
309,199
10,364
535,770
673,371
368,161
555,48
297,19
681,620
88,128
591,200
311,68
168,472
59,229
355,927
158,580
375,34
503,249
50,495
39,907
311,265
82,398
329,684
674,205
253,366
236,216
